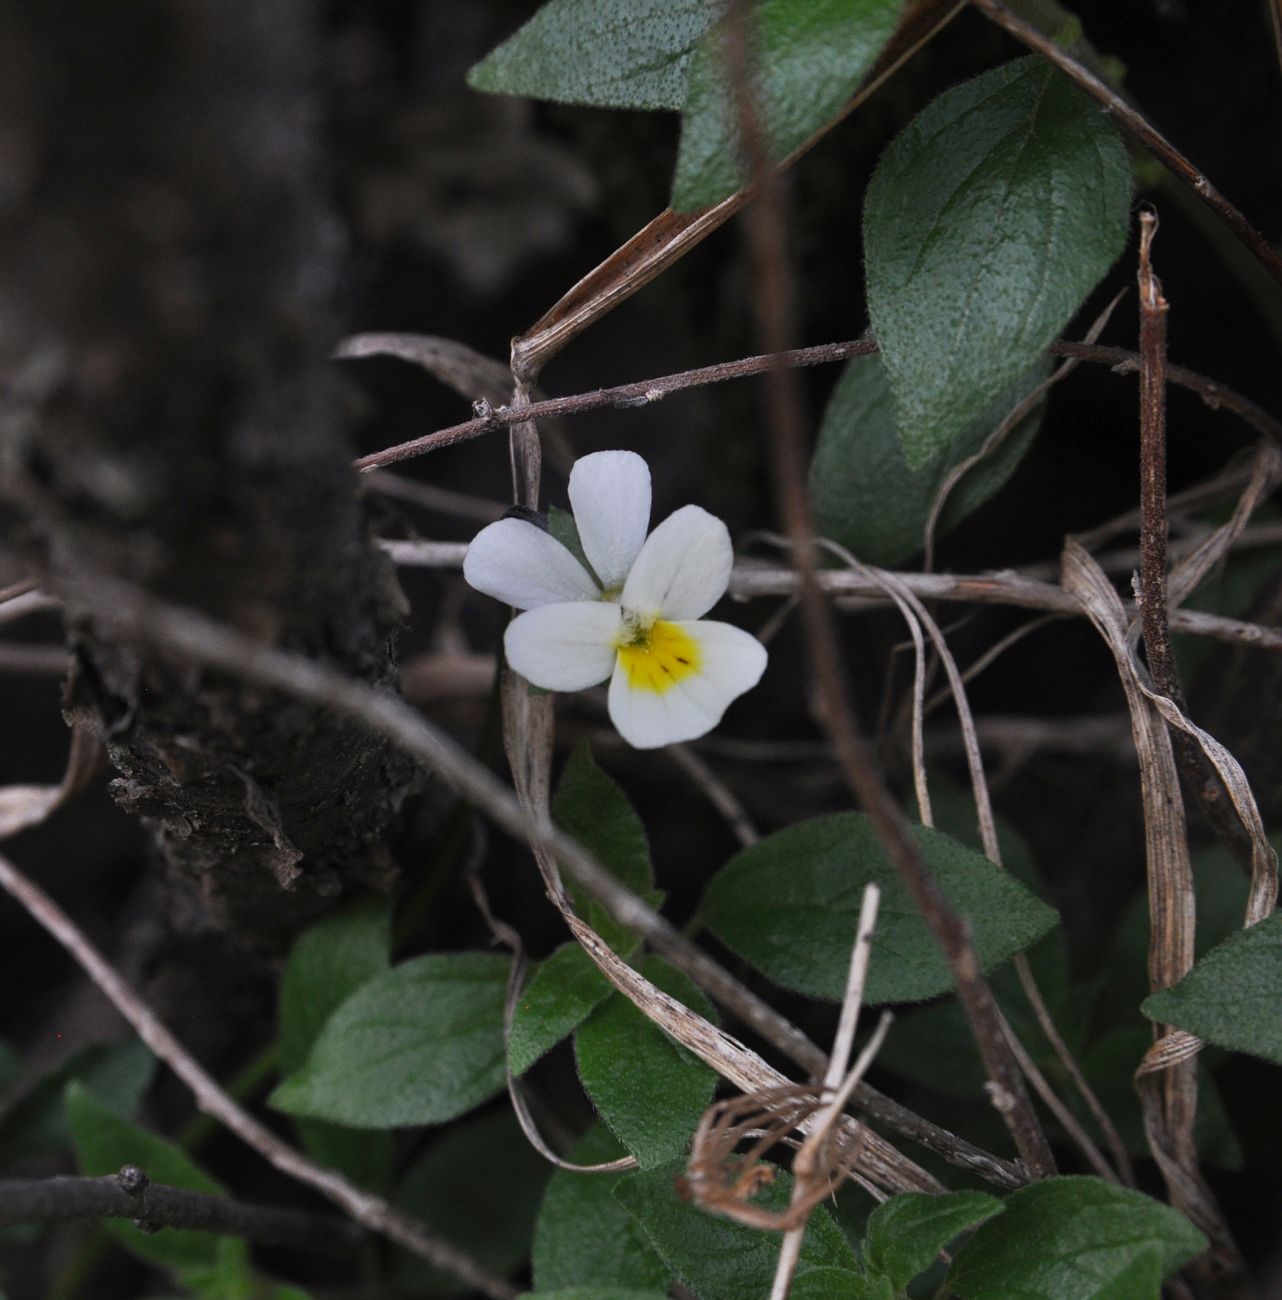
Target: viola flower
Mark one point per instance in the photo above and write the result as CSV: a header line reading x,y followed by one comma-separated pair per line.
x,y
635,618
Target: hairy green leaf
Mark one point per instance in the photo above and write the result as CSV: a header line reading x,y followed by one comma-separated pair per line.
x,y
648,1089
1230,997
789,905
561,994
420,1044
596,1293
612,53
591,808
584,1238
841,1284
105,1141
868,498
478,1185
907,1232
810,56
326,965
986,224
717,1258
1074,1239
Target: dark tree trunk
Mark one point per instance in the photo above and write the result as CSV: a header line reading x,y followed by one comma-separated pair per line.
x,y
167,260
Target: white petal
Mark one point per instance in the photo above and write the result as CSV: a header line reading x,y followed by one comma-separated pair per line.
x,y
610,495
731,662
564,647
684,566
518,563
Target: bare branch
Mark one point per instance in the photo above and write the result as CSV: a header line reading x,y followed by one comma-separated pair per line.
x,y
130,1194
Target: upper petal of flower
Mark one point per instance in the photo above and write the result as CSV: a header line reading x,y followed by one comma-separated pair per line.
x,y
610,496
564,647
518,563
684,566
729,662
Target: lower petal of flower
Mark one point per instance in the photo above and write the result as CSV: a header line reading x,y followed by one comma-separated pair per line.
x,y
651,707
566,647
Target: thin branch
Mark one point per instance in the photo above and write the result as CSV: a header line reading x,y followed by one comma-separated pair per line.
x,y
490,419
192,638
717,793
130,1194
372,1211
1139,127
773,307
624,396
750,581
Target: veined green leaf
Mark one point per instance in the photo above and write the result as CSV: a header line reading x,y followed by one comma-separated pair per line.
x,y
420,1044
789,906
907,1232
809,57
612,53
1074,1239
986,224
1230,997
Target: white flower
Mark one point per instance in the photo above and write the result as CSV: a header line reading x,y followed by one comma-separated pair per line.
x,y
636,619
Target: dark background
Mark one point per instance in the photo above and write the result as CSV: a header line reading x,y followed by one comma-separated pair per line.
x,y
466,216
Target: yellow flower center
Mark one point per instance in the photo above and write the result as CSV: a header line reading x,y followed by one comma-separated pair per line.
x,y
656,656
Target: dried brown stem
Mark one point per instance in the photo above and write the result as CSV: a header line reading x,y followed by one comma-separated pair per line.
x,y
131,1195
773,307
1138,127
490,419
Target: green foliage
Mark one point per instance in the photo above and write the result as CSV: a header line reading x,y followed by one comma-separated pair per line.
x,y
591,808
648,1089
326,965
600,1293
117,1074
1230,997
561,993
1074,1239
865,494
789,905
584,1238
420,1044
104,1141
561,525
611,53
986,224
810,56
478,1185
907,1232
716,1258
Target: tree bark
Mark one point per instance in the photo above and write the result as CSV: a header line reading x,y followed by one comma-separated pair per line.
x,y
168,260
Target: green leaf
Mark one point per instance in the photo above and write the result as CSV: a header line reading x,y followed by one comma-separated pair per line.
x,y
326,965
584,1237
420,1044
561,994
714,1257
865,494
612,53
810,56
1074,1239
907,1232
841,1284
649,1090
118,1074
1230,997
105,1141
10,1065
478,1185
789,904
592,809
986,224
596,1293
